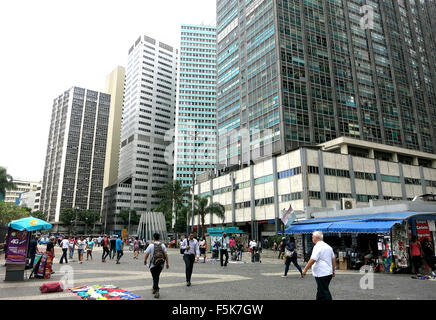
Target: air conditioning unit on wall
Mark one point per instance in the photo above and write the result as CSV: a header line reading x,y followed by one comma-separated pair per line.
x,y
348,203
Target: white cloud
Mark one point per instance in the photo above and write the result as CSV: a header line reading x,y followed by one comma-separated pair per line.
x,y
48,46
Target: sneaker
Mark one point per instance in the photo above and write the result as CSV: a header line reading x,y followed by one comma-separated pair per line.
x,y
156,295
188,284
153,291
283,276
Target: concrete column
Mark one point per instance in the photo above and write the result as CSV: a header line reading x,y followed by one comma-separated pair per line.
x,y
252,202
423,185
403,183
322,179
304,175
232,178
211,199
352,177
344,149
276,195
433,164
371,154
415,161
395,157
378,176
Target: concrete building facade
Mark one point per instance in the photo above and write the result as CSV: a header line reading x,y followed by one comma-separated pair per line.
x,y
22,187
76,150
309,71
343,173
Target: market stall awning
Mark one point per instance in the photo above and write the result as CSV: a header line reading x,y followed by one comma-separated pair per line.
x,y
362,226
307,228
30,224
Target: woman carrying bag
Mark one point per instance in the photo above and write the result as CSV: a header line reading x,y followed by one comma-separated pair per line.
x,y
290,256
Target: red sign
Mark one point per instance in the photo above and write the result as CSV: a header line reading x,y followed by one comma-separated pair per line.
x,y
422,229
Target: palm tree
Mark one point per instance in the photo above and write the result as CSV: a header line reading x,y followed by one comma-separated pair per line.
x,y
6,181
172,196
202,208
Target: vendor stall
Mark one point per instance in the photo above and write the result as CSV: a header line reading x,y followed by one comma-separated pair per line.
x,y
19,235
379,239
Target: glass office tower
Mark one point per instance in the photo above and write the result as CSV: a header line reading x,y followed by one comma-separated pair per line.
x,y
196,110
313,70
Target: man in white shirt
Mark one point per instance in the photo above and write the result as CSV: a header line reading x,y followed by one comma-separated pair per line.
x,y
192,249
324,262
252,246
64,246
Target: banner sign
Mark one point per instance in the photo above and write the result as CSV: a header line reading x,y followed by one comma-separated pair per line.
x,y
17,247
422,229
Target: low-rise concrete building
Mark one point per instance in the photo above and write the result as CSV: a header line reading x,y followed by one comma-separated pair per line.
x,y
342,173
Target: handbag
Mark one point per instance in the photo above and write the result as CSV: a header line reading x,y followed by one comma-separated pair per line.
x,y
289,253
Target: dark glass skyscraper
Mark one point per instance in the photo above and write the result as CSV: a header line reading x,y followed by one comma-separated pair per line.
x,y
314,70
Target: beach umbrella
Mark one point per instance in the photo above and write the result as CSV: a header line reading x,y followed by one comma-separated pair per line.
x,y
29,224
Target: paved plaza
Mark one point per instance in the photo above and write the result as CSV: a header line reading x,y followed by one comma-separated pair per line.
x,y
248,281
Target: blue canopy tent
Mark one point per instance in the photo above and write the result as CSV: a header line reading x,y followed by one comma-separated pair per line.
x,y
363,223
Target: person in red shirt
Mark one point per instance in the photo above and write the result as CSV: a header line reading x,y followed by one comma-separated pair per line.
x,y
415,253
106,251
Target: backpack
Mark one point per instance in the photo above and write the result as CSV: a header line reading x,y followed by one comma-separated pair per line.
x,y
158,255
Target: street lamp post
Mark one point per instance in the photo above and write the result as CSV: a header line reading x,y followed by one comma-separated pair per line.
x,y
193,181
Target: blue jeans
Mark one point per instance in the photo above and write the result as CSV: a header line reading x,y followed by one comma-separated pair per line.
x,y
71,253
288,262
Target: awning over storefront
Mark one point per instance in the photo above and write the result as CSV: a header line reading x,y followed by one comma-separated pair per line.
x,y
308,228
359,226
368,223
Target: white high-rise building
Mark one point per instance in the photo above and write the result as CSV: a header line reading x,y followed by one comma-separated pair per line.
x,y
147,128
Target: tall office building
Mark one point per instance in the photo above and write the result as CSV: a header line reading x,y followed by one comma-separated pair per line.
x,y
196,109
76,149
114,87
148,118
314,70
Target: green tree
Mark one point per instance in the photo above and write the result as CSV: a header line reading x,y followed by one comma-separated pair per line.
x,y
124,216
172,196
6,181
38,214
10,212
68,218
202,208
88,217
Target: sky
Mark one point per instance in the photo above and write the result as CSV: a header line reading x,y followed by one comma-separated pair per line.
x,y
49,46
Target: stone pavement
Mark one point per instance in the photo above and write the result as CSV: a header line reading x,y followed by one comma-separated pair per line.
x,y
248,281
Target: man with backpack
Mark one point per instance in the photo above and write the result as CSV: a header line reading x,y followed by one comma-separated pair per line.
x,y
159,256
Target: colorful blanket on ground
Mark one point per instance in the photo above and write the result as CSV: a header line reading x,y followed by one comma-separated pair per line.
x,y
107,292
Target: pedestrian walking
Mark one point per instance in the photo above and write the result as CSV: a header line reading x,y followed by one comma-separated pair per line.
x,y
81,245
99,241
252,246
239,247
136,248
275,247
429,257
113,244
291,256
71,246
89,247
159,256
224,249
323,261
281,248
64,245
106,251
232,245
191,252
119,247
203,247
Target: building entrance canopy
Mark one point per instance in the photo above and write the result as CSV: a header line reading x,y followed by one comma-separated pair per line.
x,y
371,223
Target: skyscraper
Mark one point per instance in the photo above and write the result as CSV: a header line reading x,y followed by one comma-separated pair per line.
x,y
76,149
114,87
313,70
196,110
145,164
